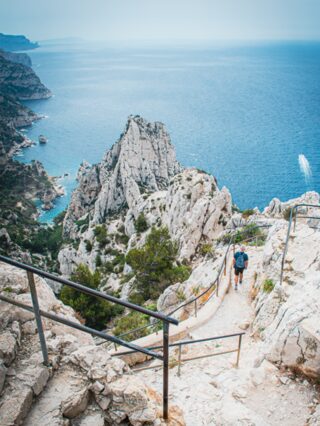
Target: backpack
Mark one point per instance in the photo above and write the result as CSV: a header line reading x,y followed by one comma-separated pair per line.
x,y
240,261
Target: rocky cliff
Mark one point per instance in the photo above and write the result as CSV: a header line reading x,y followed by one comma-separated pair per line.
x,y
138,176
141,161
20,81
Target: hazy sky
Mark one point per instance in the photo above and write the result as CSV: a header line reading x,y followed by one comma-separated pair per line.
x,y
162,19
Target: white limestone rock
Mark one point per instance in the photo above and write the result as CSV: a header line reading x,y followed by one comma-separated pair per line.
x,y
276,208
289,316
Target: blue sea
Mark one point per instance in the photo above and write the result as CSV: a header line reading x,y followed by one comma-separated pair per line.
x,y
243,113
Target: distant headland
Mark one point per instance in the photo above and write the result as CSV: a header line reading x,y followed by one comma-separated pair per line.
x,y
16,42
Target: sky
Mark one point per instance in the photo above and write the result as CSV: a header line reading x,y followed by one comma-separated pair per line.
x,y
153,20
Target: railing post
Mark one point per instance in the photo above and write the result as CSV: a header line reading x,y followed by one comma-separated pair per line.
x,y
195,308
35,303
218,285
165,369
295,219
239,348
179,361
225,266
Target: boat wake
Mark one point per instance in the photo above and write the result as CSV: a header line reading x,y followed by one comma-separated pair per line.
x,y
305,167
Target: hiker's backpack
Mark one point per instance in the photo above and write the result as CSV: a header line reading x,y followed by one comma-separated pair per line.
x,y
240,261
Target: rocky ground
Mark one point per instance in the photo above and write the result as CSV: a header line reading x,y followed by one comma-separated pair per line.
x,y
83,385
214,392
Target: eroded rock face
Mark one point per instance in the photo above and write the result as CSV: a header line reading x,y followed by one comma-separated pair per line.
x,y
21,81
143,159
139,175
288,318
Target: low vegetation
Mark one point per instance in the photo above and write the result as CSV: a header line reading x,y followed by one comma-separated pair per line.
x,y
96,312
141,223
154,265
247,213
268,286
248,232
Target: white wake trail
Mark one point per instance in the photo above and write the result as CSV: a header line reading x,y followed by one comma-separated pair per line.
x,y
305,167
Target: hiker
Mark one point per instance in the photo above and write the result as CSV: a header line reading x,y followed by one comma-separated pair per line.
x,y
240,263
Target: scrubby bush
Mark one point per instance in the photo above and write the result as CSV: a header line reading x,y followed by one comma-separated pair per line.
x,y
88,246
46,240
247,213
205,249
98,261
268,286
132,321
100,233
95,311
246,233
141,223
153,264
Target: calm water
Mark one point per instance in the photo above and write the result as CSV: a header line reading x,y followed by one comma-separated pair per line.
x,y
243,113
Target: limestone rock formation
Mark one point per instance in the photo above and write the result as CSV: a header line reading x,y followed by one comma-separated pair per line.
x,y
139,175
287,317
142,160
276,208
84,382
193,208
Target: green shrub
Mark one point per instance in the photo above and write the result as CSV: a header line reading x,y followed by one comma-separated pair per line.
x,y
83,223
268,286
126,278
205,249
98,261
95,311
122,239
247,213
153,264
247,232
141,223
136,298
132,321
88,246
100,233
286,213
45,240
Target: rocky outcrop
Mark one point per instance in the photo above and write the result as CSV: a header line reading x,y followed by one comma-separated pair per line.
x,y
138,176
287,317
276,208
193,208
84,382
20,81
141,161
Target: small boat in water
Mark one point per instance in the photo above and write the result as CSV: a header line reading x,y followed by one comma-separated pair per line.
x,y
42,139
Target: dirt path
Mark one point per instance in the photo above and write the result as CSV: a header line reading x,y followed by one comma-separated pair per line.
x,y
212,391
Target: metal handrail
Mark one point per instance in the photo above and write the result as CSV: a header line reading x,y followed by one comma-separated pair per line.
x,y
88,290
31,270
195,299
294,210
191,342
